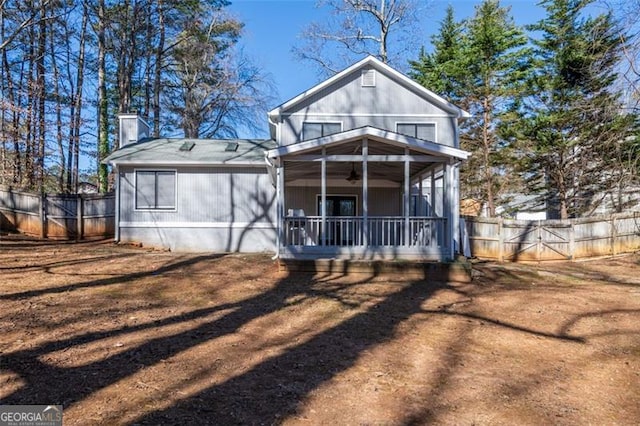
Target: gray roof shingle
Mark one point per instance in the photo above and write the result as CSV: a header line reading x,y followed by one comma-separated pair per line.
x,y
166,151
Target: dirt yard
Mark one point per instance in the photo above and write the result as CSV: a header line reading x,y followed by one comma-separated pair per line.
x,y
123,335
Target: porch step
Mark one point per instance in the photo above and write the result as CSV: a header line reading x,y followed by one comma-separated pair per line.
x,y
458,271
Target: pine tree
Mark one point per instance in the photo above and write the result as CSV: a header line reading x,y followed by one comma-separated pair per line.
x,y
478,65
442,70
573,116
495,57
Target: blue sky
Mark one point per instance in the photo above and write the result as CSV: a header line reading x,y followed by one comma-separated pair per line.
x,y
272,27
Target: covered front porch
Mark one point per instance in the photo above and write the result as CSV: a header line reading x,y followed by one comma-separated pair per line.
x,y
366,194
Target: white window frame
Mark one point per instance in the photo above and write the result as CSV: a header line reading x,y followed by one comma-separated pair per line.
x,y
434,123
147,209
321,122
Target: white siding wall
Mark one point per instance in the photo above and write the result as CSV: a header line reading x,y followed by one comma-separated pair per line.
x,y
355,106
217,209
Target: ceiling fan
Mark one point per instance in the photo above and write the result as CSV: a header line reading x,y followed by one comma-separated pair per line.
x,y
353,175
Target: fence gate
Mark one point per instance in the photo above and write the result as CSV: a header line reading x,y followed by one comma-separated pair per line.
x,y
536,240
61,219
539,240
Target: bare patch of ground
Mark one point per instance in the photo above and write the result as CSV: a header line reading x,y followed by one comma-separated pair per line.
x,y
122,335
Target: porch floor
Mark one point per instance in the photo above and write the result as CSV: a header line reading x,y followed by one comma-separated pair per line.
x,y
458,271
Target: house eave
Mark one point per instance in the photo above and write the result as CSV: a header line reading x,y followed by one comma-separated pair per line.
x,y
374,134
169,163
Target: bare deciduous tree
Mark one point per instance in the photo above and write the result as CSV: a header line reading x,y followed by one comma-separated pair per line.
x,y
33,18
382,28
628,16
54,75
212,90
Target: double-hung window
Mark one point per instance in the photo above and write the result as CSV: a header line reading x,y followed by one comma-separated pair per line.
x,y
155,189
317,130
424,131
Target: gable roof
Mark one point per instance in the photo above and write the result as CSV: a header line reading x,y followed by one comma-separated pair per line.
x,y
166,151
373,62
372,133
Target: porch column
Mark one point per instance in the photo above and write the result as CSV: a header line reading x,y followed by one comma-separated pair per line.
x,y
323,197
407,197
456,210
365,193
448,207
118,185
280,206
420,197
432,195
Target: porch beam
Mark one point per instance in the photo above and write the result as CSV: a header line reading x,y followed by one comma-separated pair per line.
x,y
427,169
384,136
376,158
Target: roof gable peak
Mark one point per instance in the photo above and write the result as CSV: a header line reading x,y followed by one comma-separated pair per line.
x,y
369,62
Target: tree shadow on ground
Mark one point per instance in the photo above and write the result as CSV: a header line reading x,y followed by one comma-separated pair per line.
x,y
266,393
273,389
118,279
24,241
60,263
295,374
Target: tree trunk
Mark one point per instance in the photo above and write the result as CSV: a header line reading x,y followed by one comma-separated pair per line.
x,y
148,54
72,113
58,109
17,169
125,60
3,117
157,86
42,43
563,194
103,106
384,33
29,136
486,156
78,100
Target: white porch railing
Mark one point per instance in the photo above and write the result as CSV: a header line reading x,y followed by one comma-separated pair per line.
x,y
349,231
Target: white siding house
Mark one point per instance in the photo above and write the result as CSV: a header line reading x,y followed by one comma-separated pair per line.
x,y
194,194
364,165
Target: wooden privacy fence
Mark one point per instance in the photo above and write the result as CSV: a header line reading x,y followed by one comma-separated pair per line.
x,y
542,240
57,216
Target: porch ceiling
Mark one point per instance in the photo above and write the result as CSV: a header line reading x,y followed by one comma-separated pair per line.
x,y
389,171
386,154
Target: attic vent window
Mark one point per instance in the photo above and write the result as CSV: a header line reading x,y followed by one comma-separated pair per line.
x,y
368,78
231,147
187,146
